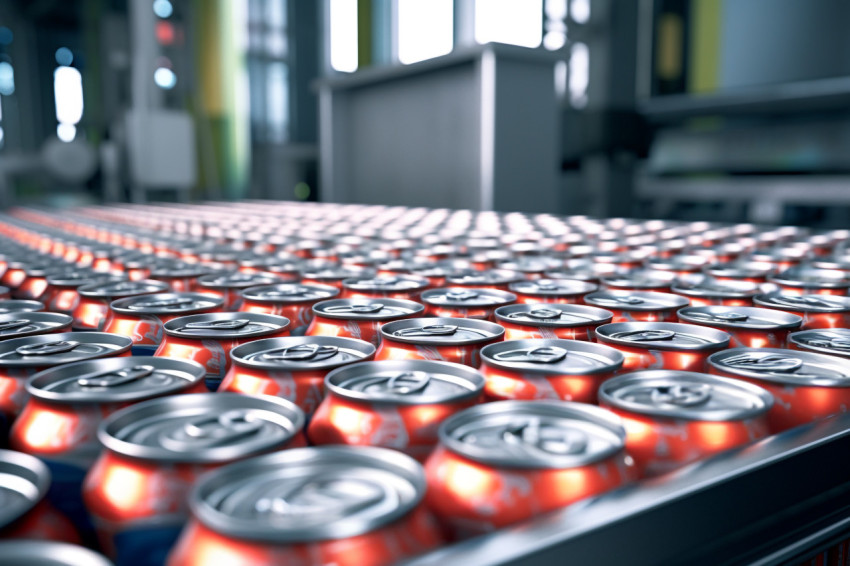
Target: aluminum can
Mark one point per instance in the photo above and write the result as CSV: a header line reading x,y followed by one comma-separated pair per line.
x,y
142,318
831,341
209,338
359,318
326,505
749,327
806,386
5,294
293,300
781,258
457,340
531,266
397,405
751,271
164,445
34,286
12,305
93,308
526,458
48,553
566,291
528,370
638,306
679,265
26,513
407,287
640,280
334,276
706,292
229,286
491,279
436,275
673,418
811,281
15,274
818,311
551,320
180,277
19,325
663,345
62,290
465,302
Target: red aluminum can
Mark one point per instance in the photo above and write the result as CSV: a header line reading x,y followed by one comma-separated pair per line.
x,y
640,280
26,513
638,306
343,505
501,463
229,286
334,276
491,279
407,287
12,305
35,286
293,368
142,318
15,274
397,405
209,338
673,418
93,308
62,289
19,325
807,386
751,271
831,341
292,300
179,276
818,311
465,302
528,370
566,291
359,318
551,320
749,327
663,345
137,490
781,258
810,281
457,340
706,292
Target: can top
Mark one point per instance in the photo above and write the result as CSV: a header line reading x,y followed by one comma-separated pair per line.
x,y
531,264
834,341
635,300
685,395
640,279
45,350
166,303
804,276
786,367
467,297
17,325
552,357
337,273
283,293
24,481
225,325
179,270
118,289
202,428
49,553
804,303
663,336
553,287
309,494
709,287
534,434
82,278
301,353
386,283
12,305
471,278
367,309
553,314
115,379
740,269
236,280
407,382
690,262
441,331
740,317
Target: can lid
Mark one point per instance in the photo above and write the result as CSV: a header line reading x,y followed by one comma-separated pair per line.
x,y
690,262
24,481
471,278
663,336
441,331
787,367
336,273
552,357
118,289
16,325
710,287
534,434
47,350
553,314
531,264
740,317
236,280
392,283
835,341
115,379
804,303
640,279
289,293
202,428
635,300
685,395
179,270
12,305
301,353
740,269
82,278
166,303
48,553
225,325
467,297
309,494
805,276
367,309
553,287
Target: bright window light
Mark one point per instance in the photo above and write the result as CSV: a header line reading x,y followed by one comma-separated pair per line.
x,y
425,29
580,11
343,35
66,132
68,91
1,136
163,8
165,78
518,22
579,74
7,78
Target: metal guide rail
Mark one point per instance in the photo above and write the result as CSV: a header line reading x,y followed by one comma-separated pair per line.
x,y
778,501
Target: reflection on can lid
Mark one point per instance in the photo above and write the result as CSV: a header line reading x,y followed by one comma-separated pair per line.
x,y
166,303
803,276
804,303
709,287
236,280
552,357
663,336
787,367
553,287
367,309
635,300
47,350
11,305
226,325
640,279
467,297
49,553
740,317
289,293
16,325
441,331
118,289
24,481
834,341
301,353
470,278
385,284
553,314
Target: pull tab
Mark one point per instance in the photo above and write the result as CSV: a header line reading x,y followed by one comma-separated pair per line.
x,y
326,498
768,363
721,316
213,430
681,395
461,295
234,324
806,301
291,292
539,314
12,324
430,330
545,438
301,352
47,348
405,383
369,308
645,335
164,303
114,378
825,341
542,355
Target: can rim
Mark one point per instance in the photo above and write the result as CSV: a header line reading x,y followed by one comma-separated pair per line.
x,y
656,301
717,338
772,300
615,357
144,287
123,306
31,469
238,354
566,288
604,316
795,338
276,324
320,309
61,322
781,320
251,293
123,342
784,378
497,331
